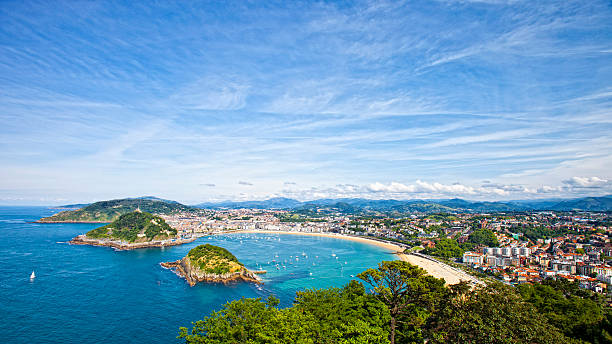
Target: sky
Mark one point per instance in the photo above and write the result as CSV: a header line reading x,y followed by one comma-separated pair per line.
x,y
246,100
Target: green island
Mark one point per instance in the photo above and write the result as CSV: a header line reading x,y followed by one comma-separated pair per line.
x,y
134,227
108,211
209,263
132,230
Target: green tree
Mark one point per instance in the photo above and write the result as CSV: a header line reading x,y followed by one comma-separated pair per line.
x,y
445,248
495,314
406,290
576,312
251,321
347,315
484,237
327,316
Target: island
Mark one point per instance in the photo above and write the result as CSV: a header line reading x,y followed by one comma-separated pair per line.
x,y
108,211
209,263
133,230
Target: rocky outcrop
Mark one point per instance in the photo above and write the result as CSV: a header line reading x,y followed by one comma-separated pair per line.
x,y
122,245
193,274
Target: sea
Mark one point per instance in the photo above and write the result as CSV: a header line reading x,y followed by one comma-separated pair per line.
x,y
86,294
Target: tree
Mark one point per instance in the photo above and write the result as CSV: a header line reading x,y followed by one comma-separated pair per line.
x,y
483,237
494,314
251,321
325,316
446,248
345,315
577,312
405,289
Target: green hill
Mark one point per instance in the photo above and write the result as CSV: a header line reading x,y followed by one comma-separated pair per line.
x,y
135,227
108,211
214,259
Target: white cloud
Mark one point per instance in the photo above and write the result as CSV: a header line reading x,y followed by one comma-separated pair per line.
x,y
587,182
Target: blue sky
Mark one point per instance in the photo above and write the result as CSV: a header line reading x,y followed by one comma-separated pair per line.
x,y
248,100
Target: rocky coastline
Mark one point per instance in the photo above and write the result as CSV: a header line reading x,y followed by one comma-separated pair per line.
x,y
122,245
194,275
66,221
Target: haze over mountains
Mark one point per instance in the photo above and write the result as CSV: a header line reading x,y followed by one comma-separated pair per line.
x,y
359,205
603,203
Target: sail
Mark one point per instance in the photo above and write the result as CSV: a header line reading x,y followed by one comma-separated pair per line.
x,y
33,275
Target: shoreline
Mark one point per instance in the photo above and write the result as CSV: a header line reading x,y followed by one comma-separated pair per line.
x,y
118,245
395,248
439,269
52,222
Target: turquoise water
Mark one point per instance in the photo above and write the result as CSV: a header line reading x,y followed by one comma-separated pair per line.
x,y
85,294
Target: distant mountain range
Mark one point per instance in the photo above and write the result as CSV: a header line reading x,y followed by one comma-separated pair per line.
x,y
107,211
352,205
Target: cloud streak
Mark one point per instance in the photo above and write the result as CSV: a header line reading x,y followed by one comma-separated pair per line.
x,y
370,99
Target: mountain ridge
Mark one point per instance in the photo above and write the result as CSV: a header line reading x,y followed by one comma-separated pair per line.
x,y
592,203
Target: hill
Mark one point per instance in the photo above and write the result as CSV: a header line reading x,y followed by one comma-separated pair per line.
x,y
134,227
108,211
208,263
588,203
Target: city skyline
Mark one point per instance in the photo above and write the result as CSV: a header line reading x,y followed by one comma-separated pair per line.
x,y
481,100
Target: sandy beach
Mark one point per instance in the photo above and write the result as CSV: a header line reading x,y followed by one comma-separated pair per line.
x,y
439,270
434,268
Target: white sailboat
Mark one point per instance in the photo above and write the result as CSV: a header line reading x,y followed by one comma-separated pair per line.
x,y
33,275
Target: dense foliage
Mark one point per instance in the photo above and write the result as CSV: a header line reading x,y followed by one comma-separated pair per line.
x,y
421,309
108,211
579,313
484,237
534,233
445,248
495,314
213,259
343,316
128,227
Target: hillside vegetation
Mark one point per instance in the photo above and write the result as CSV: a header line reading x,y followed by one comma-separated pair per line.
x,y
108,211
399,303
135,227
214,259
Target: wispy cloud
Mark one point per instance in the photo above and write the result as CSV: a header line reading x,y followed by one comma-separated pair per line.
x,y
373,99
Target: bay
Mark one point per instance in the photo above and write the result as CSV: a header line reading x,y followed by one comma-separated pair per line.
x,y
85,294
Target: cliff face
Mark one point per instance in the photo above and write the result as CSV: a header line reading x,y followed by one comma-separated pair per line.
x,y
193,274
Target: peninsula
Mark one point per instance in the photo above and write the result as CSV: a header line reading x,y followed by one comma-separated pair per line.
x,y
108,211
131,231
208,263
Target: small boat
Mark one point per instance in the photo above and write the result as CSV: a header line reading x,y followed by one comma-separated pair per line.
x,y
33,275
